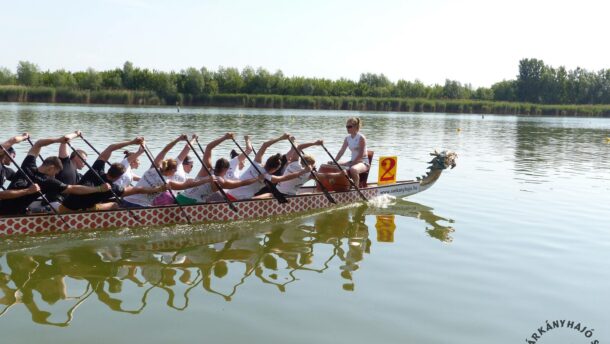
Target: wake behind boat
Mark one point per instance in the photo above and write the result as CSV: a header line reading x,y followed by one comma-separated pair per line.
x,y
307,199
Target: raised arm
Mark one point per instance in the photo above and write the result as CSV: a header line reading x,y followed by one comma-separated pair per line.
x,y
292,155
133,157
342,150
106,153
242,156
261,151
207,155
310,144
35,150
159,158
63,146
14,140
187,148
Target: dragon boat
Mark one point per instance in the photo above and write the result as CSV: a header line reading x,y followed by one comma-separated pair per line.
x,y
307,199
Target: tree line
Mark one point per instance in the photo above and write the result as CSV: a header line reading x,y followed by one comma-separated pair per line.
x,y
536,82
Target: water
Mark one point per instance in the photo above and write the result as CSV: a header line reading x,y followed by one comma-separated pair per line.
x,y
516,235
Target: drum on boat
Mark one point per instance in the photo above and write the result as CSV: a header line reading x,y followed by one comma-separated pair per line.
x,y
335,182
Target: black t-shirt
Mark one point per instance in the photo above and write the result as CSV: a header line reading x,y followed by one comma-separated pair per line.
x,y
90,178
68,175
48,185
6,173
77,202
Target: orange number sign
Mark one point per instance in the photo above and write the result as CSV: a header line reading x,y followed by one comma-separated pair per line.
x,y
387,170
385,228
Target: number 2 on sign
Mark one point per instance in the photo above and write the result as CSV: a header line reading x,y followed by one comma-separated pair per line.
x,y
387,170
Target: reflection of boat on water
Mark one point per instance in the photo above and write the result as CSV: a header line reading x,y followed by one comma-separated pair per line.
x,y
405,208
115,266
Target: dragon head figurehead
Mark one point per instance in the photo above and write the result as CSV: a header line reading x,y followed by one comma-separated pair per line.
x,y
440,162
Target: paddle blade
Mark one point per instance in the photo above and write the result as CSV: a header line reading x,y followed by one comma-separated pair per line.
x,y
276,193
329,197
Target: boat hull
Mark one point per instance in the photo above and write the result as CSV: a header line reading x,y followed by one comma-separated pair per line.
x,y
208,212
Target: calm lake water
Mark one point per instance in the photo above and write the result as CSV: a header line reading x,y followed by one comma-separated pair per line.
x,y
517,235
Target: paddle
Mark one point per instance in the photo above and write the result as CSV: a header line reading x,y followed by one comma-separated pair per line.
x,y
118,200
95,150
348,178
32,183
324,189
31,144
152,161
276,193
199,144
231,205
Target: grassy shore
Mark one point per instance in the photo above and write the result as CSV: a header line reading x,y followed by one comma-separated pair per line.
x,y
130,97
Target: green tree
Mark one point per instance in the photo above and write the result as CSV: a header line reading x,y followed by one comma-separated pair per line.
x,y
343,87
505,90
210,85
248,75
89,80
530,80
229,80
410,89
58,78
191,82
112,79
7,77
561,78
278,83
28,74
375,85
483,93
127,75
455,90
164,84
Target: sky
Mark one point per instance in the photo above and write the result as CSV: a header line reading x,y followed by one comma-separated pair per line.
x,y
477,42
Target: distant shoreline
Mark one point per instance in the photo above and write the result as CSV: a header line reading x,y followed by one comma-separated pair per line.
x,y
23,94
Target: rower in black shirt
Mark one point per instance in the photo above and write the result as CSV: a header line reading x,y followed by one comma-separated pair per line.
x,y
97,176
7,174
71,162
44,177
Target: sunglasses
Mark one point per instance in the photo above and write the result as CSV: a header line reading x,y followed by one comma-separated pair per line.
x,y
349,126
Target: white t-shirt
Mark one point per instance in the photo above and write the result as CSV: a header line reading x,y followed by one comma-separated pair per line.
x,y
150,179
234,172
290,187
127,177
199,193
180,175
247,191
354,146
